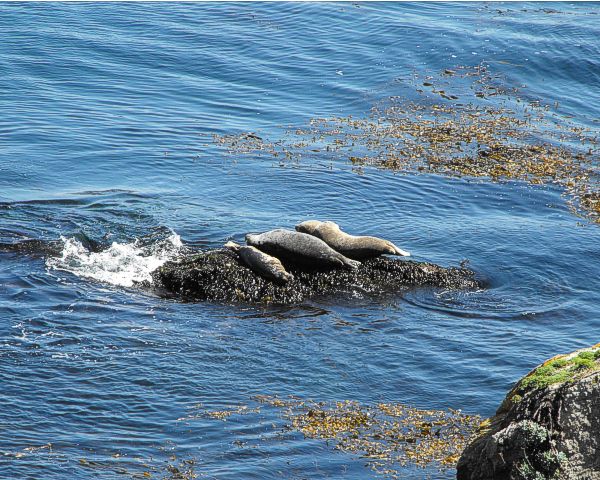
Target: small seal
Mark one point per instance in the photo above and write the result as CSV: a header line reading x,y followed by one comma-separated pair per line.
x,y
351,246
261,263
299,248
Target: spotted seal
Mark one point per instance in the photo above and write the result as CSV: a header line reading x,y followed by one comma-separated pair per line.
x,y
299,248
351,246
261,263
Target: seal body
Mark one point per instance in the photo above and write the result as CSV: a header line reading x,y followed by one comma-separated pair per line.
x,y
261,263
351,246
299,248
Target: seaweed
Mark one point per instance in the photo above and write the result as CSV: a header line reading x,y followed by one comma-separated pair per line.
x,y
485,130
389,436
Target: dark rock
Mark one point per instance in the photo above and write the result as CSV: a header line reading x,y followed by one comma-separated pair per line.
x,y
548,426
33,247
219,275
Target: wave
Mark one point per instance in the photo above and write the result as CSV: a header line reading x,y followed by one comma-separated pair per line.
x,y
122,264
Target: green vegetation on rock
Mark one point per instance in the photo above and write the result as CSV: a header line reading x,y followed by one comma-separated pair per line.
x,y
560,370
545,429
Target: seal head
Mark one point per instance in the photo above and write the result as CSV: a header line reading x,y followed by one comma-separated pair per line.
x,y
357,247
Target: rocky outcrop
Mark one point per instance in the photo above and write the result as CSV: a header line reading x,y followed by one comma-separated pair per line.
x,y
219,275
547,427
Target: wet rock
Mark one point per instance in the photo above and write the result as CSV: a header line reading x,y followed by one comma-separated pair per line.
x,y
219,275
547,427
36,247
33,247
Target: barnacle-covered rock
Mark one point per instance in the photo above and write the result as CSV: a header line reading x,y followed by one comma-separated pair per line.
x,y
548,426
219,275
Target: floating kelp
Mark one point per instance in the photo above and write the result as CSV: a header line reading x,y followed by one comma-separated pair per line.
x,y
219,275
172,469
389,435
462,122
115,465
218,414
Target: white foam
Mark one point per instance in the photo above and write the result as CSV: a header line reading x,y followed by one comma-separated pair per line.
x,y
121,264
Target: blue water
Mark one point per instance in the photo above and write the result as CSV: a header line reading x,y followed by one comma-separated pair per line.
x,y
108,112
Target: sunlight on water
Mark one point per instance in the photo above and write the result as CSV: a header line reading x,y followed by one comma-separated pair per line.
x,y
127,122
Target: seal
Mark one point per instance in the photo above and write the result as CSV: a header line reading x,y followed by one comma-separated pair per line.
x,y
359,248
261,263
300,249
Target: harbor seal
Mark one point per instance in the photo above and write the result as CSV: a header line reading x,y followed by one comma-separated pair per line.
x,y
299,248
351,246
261,263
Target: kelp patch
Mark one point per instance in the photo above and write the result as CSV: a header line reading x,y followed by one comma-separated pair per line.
x,y
127,467
460,122
389,436
111,464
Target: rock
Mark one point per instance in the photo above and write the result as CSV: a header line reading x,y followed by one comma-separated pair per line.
x,y
33,247
36,247
547,427
219,275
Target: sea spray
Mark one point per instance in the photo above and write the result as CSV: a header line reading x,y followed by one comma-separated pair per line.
x,y
122,264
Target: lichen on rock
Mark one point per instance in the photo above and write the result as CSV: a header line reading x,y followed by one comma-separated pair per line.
x,y
547,427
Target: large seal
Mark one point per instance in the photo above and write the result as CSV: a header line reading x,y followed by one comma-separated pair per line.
x,y
351,246
299,248
261,263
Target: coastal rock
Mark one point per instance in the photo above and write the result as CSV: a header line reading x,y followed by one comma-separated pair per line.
x,y
219,275
547,427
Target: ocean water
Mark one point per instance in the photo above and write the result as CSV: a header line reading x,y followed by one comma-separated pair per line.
x,y
107,124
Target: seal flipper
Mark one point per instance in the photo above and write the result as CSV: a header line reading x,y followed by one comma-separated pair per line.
x,y
352,264
398,251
